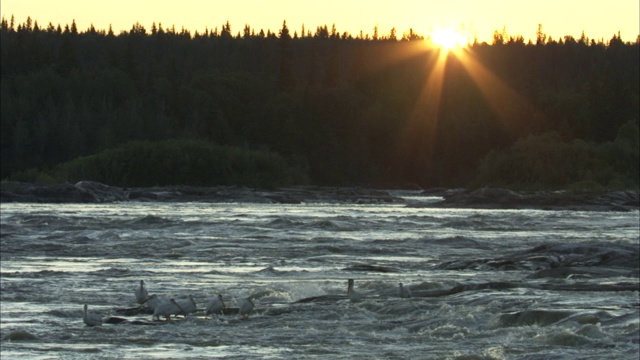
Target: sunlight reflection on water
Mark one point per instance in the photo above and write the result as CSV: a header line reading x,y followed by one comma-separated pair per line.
x,y
57,257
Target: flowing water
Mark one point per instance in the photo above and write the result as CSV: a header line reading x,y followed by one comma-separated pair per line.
x,y
486,284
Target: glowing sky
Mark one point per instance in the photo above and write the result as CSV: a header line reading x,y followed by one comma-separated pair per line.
x,y
600,19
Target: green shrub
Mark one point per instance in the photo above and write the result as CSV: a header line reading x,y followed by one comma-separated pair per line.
x,y
179,162
546,161
34,176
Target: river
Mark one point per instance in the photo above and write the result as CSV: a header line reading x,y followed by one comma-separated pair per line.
x,y
486,284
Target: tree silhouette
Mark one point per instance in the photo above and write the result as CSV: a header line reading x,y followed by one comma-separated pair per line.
x,y
285,78
348,107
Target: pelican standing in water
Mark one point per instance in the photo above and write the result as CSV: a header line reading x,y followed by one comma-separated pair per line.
x,y
352,294
91,319
141,293
167,309
215,306
187,306
404,291
154,300
246,307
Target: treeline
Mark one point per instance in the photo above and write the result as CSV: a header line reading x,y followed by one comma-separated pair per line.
x,y
355,109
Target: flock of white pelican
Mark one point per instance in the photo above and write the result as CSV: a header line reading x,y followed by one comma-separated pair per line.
x,y
164,307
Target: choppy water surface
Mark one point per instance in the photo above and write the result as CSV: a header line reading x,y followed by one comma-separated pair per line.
x,y
487,284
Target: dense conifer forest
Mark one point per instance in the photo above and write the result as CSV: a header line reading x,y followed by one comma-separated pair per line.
x,y
162,106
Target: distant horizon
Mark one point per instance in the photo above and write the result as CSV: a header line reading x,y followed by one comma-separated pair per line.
x,y
310,31
599,20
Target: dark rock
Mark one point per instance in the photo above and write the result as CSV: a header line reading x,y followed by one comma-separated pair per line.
x,y
544,257
20,335
370,268
486,198
150,195
493,198
58,193
82,192
322,298
134,311
102,192
115,320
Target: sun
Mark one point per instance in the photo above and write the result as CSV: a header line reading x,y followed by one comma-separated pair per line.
x,y
448,39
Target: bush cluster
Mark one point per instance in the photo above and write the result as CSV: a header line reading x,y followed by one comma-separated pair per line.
x,y
176,162
546,161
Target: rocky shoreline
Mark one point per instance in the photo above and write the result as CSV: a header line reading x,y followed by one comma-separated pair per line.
x,y
94,192
485,198
495,198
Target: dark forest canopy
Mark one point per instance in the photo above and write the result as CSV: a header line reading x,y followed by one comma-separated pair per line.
x,y
347,110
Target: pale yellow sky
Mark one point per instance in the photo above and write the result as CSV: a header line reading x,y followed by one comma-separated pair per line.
x,y
598,18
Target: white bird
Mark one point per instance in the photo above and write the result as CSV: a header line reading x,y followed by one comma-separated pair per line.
x,y
187,306
154,300
91,319
404,291
141,293
352,294
215,306
246,307
167,309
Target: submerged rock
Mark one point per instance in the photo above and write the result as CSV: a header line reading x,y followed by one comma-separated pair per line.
x,y
495,198
370,268
20,335
485,198
95,192
560,261
58,193
101,192
81,192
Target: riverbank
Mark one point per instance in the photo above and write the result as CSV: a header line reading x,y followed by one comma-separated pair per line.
x,y
489,198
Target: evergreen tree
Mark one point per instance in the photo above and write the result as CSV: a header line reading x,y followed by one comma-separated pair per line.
x,y
285,78
226,31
